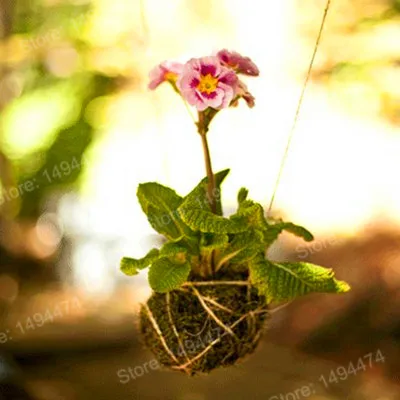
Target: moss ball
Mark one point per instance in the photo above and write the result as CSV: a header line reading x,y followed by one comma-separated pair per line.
x,y
203,325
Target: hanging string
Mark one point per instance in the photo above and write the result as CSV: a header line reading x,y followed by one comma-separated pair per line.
x,y
296,117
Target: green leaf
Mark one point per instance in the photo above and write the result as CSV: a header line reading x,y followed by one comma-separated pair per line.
x,y
255,217
213,241
273,231
206,221
242,195
196,213
298,231
198,197
219,177
160,204
177,251
131,266
253,213
159,196
288,280
165,275
243,248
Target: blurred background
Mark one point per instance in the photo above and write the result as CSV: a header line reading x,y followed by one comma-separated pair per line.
x,y
79,130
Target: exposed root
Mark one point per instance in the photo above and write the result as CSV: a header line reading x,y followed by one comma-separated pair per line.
x,y
168,300
216,304
251,322
159,333
210,346
211,313
168,336
202,329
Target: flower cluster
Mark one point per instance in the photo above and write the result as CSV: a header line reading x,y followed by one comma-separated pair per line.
x,y
208,82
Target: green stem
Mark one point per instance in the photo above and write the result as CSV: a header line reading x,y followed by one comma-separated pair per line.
x,y
202,129
202,126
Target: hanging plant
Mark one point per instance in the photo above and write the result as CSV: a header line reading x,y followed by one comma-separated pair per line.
x,y
212,282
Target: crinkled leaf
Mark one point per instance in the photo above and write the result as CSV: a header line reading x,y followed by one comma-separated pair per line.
x,y
195,212
288,280
159,196
198,197
162,222
273,231
213,241
131,266
255,217
243,247
218,178
206,221
174,250
253,213
165,275
160,204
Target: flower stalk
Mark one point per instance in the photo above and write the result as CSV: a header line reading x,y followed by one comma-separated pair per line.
x,y
202,128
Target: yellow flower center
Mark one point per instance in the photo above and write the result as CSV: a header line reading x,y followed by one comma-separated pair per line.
x,y
207,84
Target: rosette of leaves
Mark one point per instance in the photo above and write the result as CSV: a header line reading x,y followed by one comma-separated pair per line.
x,y
212,275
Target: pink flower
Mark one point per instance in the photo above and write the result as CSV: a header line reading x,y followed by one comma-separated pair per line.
x,y
204,83
167,71
240,64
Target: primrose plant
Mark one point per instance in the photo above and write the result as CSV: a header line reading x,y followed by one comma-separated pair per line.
x,y
212,273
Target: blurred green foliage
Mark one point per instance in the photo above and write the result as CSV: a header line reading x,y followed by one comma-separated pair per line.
x,y
44,131
63,161
362,57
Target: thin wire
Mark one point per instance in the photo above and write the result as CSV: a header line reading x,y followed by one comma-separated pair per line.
x,y
296,117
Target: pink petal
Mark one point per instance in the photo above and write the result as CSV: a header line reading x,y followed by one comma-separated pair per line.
x,y
189,79
216,100
194,99
156,76
228,94
228,77
172,66
247,67
224,56
236,61
192,64
210,65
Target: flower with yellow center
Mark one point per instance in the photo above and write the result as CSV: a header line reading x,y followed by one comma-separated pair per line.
x,y
205,83
167,71
208,84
